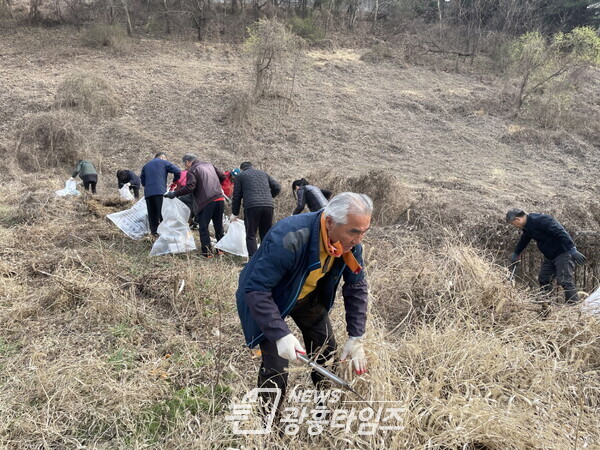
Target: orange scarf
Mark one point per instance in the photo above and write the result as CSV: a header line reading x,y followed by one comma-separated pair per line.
x,y
336,249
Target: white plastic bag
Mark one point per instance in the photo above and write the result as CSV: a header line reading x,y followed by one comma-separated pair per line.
x,y
235,240
211,227
70,189
125,193
592,303
175,234
133,221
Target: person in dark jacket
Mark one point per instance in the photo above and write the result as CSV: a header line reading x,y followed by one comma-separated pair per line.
x,y
87,172
560,253
154,179
296,272
129,176
204,183
309,195
257,189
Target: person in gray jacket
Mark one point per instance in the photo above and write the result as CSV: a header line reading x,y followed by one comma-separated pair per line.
x,y
87,172
308,195
257,189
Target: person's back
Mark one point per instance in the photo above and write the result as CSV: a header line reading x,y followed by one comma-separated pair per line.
x,y
154,179
84,167
128,176
312,196
154,176
257,189
87,172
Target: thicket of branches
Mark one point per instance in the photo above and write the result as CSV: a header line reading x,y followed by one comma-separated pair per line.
x,y
232,17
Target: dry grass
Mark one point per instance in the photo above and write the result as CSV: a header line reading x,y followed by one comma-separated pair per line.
x,y
88,93
113,37
48,140
100,349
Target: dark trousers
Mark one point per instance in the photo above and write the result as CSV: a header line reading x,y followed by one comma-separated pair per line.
x,y
217,219
154,206
261,219
313,320
189,202
213,211
560,268
135,190
90,181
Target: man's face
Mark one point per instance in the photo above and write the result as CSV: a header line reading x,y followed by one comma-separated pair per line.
x,y
349,234
519,222
187,164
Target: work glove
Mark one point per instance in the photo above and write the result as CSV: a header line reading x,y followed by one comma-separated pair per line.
x,y
355,349
170,194
287,347
577,257
513,258
233,218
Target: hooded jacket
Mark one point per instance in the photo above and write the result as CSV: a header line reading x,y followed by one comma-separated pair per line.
x,y
550,236
154,176
270,283
204,183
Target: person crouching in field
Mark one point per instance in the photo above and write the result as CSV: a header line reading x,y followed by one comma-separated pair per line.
x,y
87,172
295,272
308,195
129,176
560,253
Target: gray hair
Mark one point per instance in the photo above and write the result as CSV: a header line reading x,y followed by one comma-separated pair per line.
x,y
347,203
189,157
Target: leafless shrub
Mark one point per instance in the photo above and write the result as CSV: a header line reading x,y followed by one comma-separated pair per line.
x,y
276,55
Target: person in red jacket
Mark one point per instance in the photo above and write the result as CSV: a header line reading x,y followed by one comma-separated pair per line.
x,y
227,184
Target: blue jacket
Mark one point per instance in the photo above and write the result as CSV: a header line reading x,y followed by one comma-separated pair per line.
x,y
154,176
271,281
551,238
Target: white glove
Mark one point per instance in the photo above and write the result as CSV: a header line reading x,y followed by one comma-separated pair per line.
x,y
354,347
287,347
232,218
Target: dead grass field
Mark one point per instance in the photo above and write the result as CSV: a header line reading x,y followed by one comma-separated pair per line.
x,y
99,349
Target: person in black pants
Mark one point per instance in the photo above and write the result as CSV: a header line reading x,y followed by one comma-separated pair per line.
x,y
203,182
154,179
129,176
87,172
560,253
257,189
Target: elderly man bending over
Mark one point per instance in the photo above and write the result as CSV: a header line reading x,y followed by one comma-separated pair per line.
x,y
296,272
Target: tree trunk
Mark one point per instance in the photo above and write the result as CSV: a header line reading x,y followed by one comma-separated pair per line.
x,y
9,7
167,20
127,17
375,16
